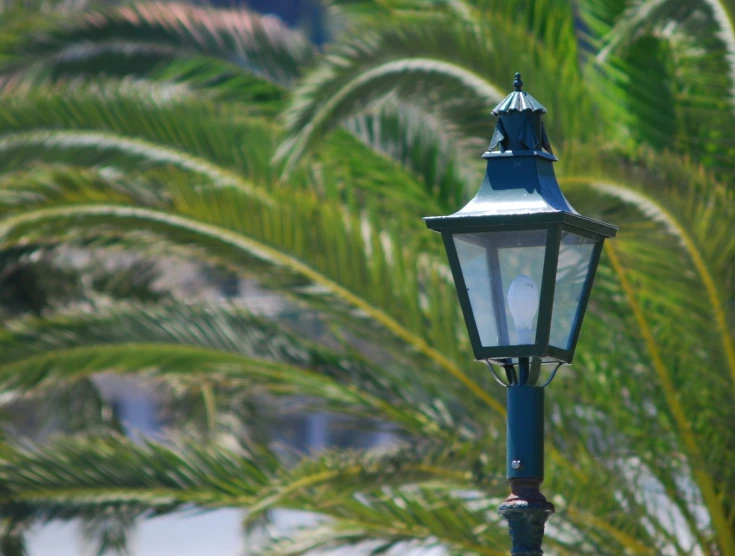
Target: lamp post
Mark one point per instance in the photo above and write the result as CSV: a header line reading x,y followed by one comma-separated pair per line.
x,y
523,262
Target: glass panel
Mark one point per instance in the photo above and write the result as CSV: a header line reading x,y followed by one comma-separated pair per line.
x,y
502,272
473,262
575,256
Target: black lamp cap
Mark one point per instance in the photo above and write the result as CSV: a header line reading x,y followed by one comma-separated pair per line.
x,y
518,101
519,128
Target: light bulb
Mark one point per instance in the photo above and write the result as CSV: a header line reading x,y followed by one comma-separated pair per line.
x,y
523,302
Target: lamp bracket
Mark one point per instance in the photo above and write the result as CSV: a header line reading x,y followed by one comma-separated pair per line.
x,y
512,375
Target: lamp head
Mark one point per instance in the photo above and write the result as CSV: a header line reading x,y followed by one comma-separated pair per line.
x,y
523,260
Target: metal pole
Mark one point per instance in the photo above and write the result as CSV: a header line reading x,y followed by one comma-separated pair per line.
x,y
526,510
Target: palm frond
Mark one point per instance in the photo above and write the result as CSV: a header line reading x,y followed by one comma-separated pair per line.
x,y
363,11
42,114
643,14
42,6
101,148
223,81
13,536
71,478
218,234
208,345
418,518
107,532
141,128
689,445
671,220
148,35
663,62
452,59
551,24
128,113
428,146
327,481
444,498
691,206
631,417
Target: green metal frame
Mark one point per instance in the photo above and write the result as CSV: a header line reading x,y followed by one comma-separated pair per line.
x,y
487,223
582,307
548,286
554,223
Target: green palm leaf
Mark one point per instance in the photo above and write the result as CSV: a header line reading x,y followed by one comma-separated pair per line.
x,y
225,234
427,145
101,149
662,62
190,344
450,58
684,424
635,413
155,33
642,15
447,56
108,532
192,206
220,243
126,126
149,477
164,118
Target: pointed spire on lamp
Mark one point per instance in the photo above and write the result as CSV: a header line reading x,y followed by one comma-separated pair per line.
x,y
519,126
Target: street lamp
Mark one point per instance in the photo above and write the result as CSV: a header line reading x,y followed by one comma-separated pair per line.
x,y
523,262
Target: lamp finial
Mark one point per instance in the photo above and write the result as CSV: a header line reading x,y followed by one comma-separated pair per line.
x,y
517,83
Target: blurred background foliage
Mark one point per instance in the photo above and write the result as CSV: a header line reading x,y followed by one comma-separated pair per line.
x,y
140,137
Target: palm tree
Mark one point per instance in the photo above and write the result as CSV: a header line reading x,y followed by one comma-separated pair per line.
x,y
151,127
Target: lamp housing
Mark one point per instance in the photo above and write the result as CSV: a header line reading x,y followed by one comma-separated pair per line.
x,y
523,260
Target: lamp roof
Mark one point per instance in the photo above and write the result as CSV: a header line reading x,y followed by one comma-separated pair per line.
x,y
519,181
518,101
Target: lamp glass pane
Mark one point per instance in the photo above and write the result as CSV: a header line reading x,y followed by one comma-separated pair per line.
x,y
502,272
575,257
